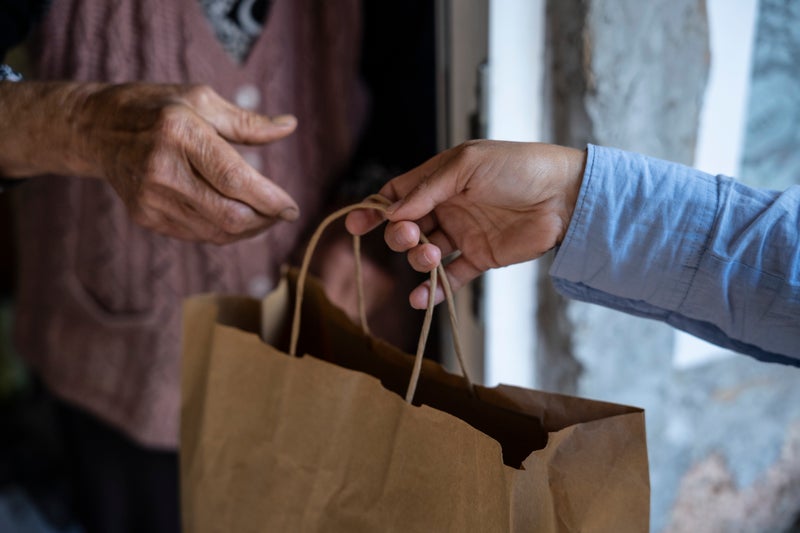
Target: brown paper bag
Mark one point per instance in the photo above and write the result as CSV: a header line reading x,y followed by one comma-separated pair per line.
x,y
326,442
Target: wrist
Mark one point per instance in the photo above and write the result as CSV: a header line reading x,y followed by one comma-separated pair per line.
x,y
78,128
41,131
574,169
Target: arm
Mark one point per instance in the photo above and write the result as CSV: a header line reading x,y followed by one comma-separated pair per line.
x,y
656,239
165,149
703,253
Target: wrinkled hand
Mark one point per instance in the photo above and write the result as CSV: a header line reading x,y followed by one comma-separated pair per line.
x,y
496,203
165,149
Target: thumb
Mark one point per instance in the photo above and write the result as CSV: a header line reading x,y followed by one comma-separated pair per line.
x,y
430,191
245,127
239,125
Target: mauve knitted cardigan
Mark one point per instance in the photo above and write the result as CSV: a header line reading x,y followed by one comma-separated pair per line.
x,y
99,298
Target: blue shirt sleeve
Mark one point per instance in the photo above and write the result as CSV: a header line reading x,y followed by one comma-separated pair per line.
x,y
703,253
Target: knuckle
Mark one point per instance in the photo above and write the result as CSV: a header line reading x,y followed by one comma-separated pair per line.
x,y
230,177
421,189
247,121
418,261
200,95
153,176
235,220
470,150
404,235
393,239
145,197
139,215
172,124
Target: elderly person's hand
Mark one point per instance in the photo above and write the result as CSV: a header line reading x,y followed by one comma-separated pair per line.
x,y
495,203
164,148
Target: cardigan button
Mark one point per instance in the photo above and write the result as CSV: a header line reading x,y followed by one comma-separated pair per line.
x,y
259,286
253,159
247,97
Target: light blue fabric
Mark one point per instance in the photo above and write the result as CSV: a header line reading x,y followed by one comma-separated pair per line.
x,y
703,253
9,74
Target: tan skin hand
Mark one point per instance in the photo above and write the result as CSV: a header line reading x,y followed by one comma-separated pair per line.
x,y
165,149
496,203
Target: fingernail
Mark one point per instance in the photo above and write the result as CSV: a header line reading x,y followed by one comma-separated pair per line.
x,y
417,302
289,214
428,259
284,120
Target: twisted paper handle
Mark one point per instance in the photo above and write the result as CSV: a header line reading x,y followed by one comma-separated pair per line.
x,y
379,203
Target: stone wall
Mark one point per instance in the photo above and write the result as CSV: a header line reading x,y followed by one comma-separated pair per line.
x,y
723,437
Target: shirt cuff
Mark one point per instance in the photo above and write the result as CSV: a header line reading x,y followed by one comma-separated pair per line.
x,y
9,74
638,230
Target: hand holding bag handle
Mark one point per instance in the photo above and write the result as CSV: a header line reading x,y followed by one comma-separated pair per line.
x,y
379,203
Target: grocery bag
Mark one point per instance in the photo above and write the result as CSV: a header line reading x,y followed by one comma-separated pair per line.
x,y
296,419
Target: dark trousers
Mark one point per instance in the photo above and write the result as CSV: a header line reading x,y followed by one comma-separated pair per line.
x,y
117,485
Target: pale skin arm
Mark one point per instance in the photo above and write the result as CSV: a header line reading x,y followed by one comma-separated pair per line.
x,y
495,203
165,149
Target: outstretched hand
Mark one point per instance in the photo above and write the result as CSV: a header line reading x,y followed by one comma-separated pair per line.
x,y
489,203
165,149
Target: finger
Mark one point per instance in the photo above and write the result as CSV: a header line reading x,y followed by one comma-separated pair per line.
x,y
443,242
459,273
401,236
400,186
227,221
420,190
236,124
405,236
363,221
424,258
225,170
177,189
419,296
158,221
246,127
176,231
427,224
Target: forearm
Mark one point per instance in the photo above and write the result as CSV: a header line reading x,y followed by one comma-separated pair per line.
x,y
702,253
42,130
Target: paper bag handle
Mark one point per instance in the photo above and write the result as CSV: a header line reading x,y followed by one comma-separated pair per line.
x,y
380,203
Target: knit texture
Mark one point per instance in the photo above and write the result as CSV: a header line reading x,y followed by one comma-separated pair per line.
x,y
99,298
